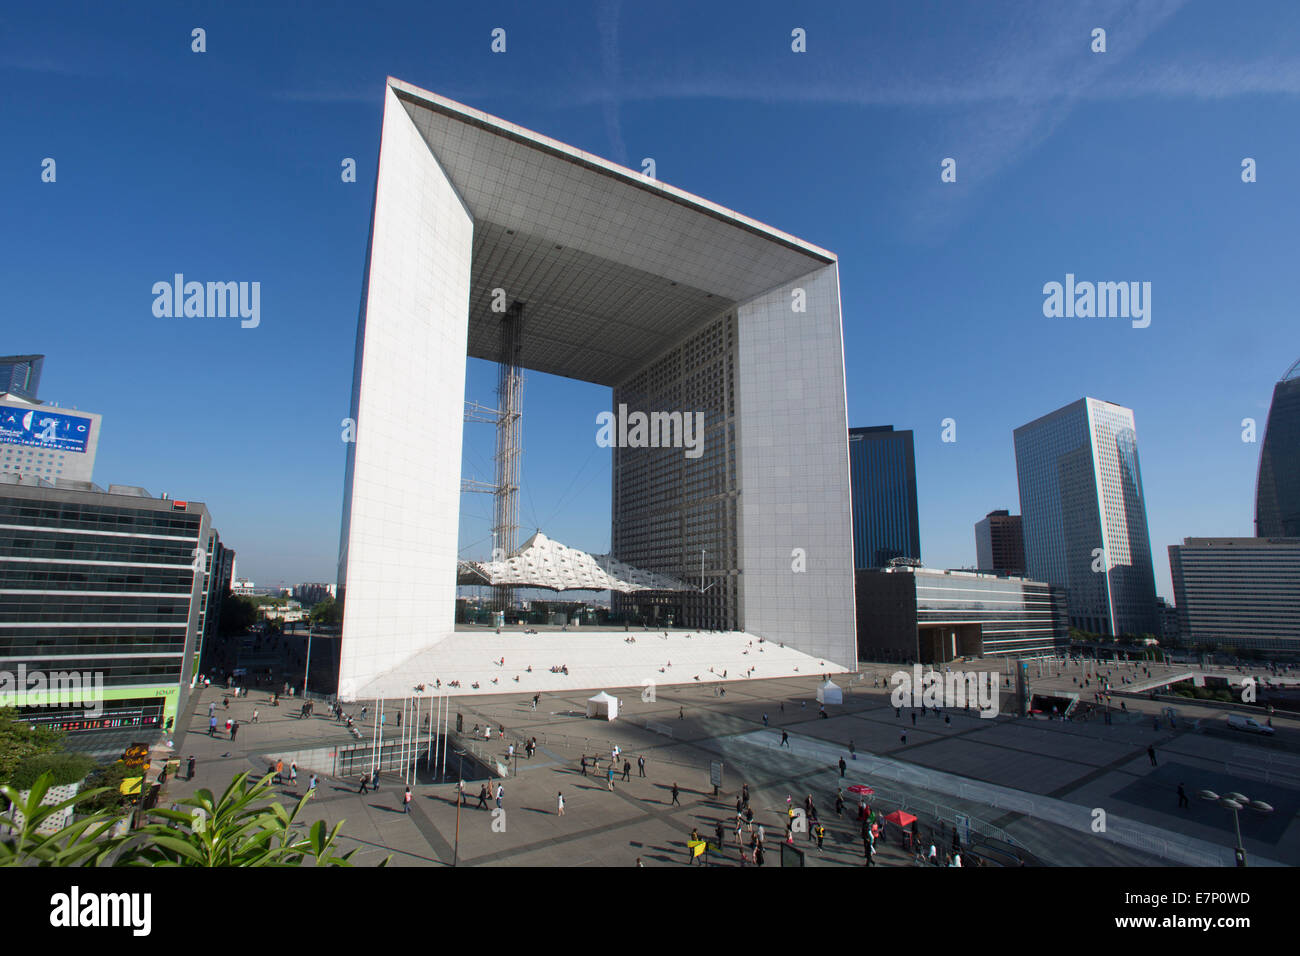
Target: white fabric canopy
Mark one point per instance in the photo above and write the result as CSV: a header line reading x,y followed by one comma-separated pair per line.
x,y
544,563
830,693
602,705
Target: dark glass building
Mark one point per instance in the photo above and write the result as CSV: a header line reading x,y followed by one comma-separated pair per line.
x,y
882,488
1000,543
1277,495
21,375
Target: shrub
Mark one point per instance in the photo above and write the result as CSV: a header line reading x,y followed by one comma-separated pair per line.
x,y
64,768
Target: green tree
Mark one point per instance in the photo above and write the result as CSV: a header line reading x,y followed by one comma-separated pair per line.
x,y
64,768
325,612
238,614
20,740
107,782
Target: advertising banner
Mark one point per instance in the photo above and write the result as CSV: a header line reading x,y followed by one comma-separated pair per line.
x,y
38,428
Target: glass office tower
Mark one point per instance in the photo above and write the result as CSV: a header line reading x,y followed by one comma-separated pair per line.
x,y
20,375
882,486
1277,495
1084,516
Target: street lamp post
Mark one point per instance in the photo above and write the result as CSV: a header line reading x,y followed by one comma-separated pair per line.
x,y
1236,802
306,671
460,797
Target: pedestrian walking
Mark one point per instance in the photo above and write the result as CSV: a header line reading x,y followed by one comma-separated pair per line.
x,y
584,765
293,772
785,739
609,776
627,770
765,720
559,803
212,726
374,780
676,795
364,781
913,718
640,765
903,737
843,766
255,713
718,831
1151,752
406,801
311,783
1182,798
279,771
482,797
501,793
189,769
234,730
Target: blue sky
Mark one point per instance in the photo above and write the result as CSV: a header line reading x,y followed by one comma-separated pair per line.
x,y
1123,165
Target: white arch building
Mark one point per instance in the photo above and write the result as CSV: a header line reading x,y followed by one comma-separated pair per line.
x,y
675,303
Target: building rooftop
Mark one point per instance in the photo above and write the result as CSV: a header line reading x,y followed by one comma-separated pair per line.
x,y
610,264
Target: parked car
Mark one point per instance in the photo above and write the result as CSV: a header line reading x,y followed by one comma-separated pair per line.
x,y
1248,724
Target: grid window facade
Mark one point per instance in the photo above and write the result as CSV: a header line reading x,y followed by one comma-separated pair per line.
x,y
678,515
1242,592
93,585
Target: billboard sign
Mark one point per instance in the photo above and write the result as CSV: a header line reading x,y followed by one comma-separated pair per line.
x,y
39,428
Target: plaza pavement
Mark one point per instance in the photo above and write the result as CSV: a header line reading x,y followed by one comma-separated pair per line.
x,y
1088,765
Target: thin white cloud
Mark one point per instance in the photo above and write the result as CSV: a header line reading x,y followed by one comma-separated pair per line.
x,y
607,17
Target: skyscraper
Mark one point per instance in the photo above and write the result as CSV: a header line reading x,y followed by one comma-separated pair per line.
x,y
20,375
1084,515
882,486
1277,494
1000,543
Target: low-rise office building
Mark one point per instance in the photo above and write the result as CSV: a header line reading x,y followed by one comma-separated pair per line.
x,y
927,615
104,587
1238,592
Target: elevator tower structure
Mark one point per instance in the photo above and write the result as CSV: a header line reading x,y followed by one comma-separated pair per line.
x,y
510,408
